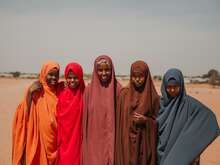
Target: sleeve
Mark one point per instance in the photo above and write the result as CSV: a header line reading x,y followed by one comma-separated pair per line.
x,y
119,155
201,123
84,126
19,133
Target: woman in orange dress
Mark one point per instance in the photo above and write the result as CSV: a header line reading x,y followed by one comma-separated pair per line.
x,y
34,125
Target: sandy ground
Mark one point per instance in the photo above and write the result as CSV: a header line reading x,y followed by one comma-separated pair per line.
x,y
12,91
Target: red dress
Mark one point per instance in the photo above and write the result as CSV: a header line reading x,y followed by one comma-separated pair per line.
x,y
69,118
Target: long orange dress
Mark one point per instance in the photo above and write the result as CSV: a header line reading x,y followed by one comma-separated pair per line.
x,y
34,137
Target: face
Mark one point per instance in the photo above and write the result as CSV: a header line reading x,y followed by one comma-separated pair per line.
x,y
52,77
173,90
104,72
138,79
72,80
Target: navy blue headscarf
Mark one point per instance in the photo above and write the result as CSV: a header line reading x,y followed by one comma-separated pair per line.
x,y
185,126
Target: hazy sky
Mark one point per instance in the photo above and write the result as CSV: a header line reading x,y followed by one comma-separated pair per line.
x,y
164,33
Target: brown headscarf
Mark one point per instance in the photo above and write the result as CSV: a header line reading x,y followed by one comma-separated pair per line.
x,y
99,119
36,136
136,145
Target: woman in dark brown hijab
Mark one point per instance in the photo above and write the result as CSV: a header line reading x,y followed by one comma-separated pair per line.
x,y
136,125
99,114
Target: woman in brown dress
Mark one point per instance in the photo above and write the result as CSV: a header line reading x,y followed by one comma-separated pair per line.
x,y
136,125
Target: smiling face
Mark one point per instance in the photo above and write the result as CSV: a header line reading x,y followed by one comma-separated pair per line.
x,y
72,80
104,72
52,77
173,90
138,79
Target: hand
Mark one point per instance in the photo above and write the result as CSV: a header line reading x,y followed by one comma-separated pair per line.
x,y
139,119
35,87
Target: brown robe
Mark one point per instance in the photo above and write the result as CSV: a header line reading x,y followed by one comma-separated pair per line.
x,y
99,119
136,144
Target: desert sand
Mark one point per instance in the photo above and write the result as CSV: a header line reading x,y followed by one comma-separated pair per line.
x,y
12,91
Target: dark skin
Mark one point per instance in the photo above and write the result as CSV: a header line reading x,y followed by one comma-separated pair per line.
x,y
138,80
173,90
72,80
139,119
36,87
52,78
104,72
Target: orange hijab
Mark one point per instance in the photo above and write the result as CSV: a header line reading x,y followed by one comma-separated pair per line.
x,y
37,135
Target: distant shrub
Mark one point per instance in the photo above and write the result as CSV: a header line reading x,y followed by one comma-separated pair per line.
x,y
15,74
157,77
214,77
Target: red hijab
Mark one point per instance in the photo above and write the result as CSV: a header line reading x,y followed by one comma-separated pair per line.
x,y
69,117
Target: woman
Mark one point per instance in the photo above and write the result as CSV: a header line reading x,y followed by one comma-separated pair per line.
x,y
34,125
185,126
136,124
99,114
69,116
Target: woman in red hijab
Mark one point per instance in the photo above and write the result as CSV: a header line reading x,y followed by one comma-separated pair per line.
x,y
69,116
99,114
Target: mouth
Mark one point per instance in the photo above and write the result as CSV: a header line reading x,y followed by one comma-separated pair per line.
x,y
72,84
138,83
53,82
104,78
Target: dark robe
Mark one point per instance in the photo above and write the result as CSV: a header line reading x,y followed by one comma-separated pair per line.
x,y
185,126
136,144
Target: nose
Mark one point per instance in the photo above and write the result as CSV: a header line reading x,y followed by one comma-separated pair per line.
x,y
104,72
137,78
53,77
72,79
